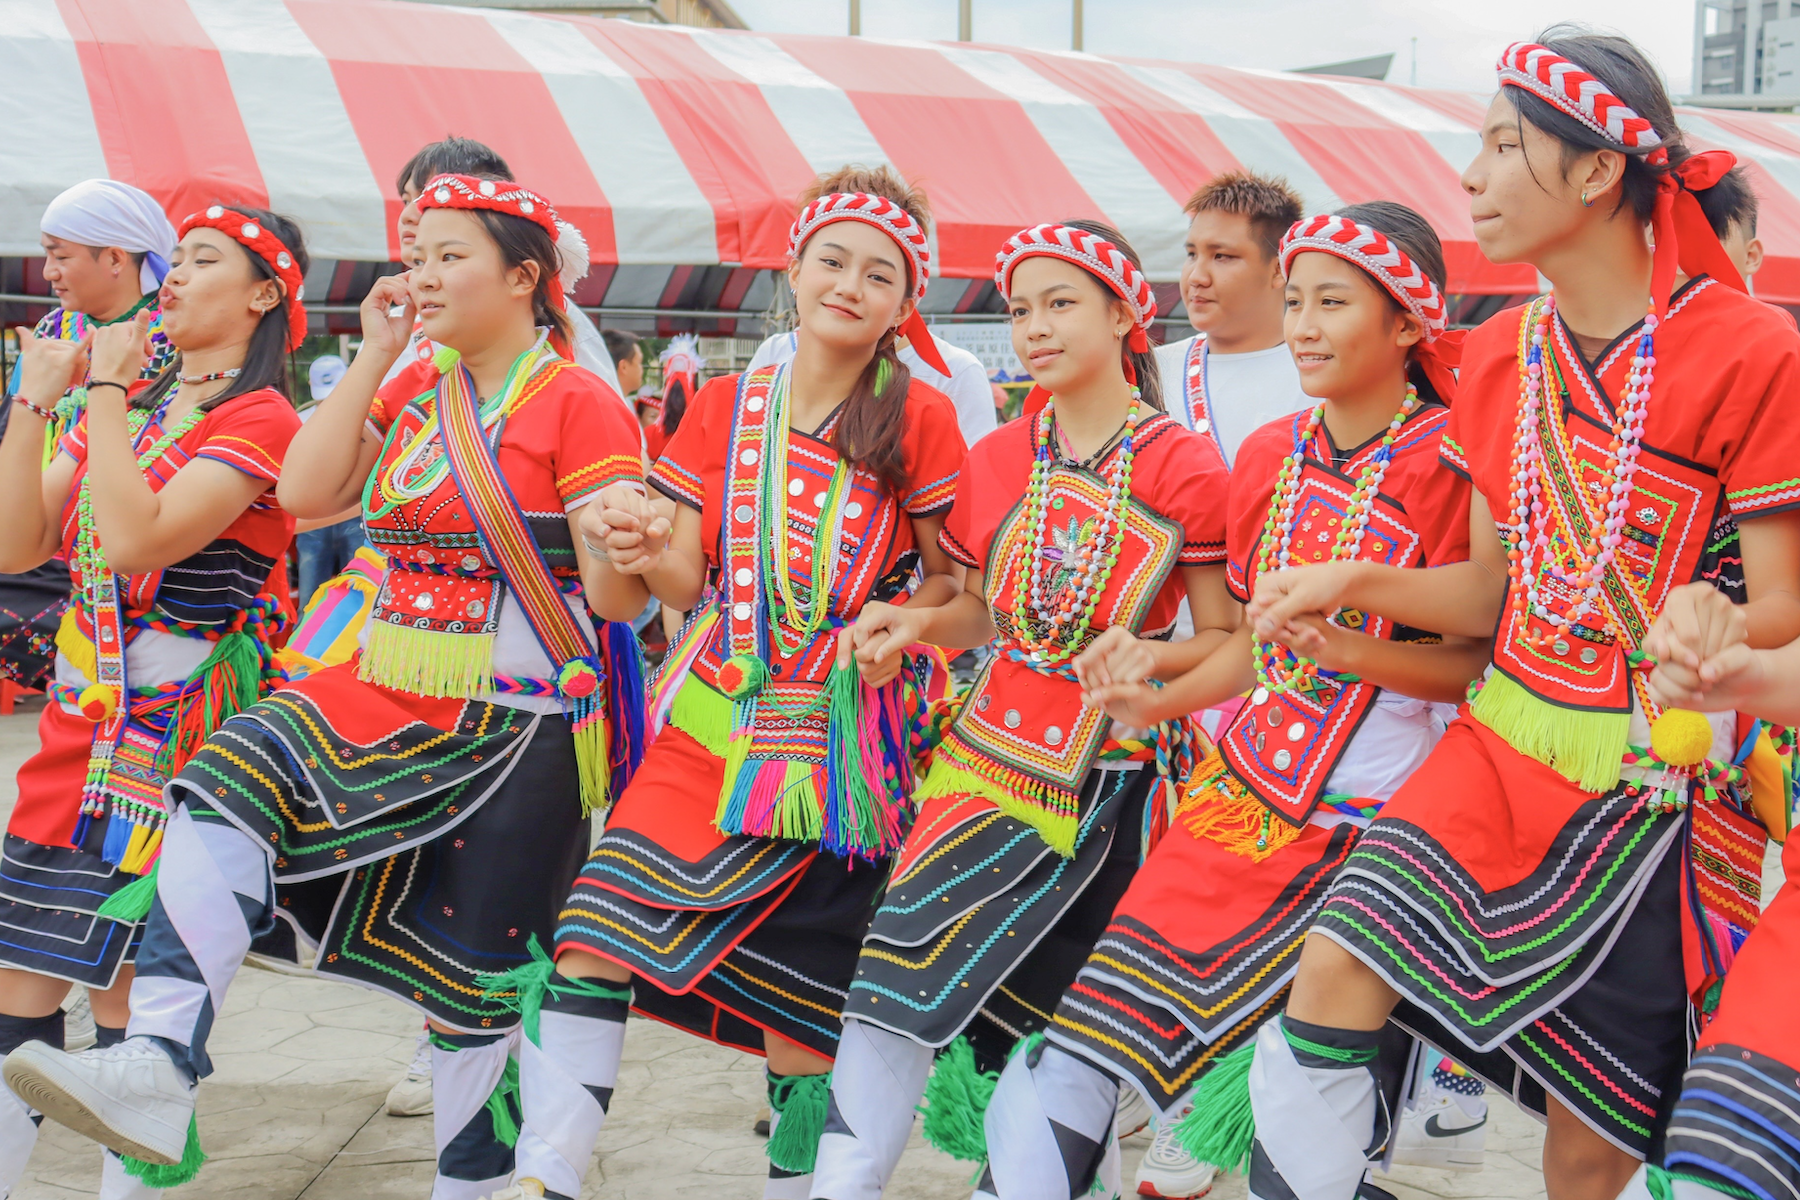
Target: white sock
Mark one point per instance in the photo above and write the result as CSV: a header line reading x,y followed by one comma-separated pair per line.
x,y
876,1082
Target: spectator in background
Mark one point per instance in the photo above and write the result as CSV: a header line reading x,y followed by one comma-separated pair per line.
x,y
325,549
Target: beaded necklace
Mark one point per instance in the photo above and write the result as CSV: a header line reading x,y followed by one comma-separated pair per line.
x,y
1279,669
804,619
1528,530
90,559
1069,612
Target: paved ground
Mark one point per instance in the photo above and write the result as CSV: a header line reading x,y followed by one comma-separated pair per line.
x,y
294,1111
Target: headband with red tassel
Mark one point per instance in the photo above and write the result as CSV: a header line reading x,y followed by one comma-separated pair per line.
x,y
907,234
1097,256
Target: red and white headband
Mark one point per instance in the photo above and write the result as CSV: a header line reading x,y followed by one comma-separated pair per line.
x,y
906,233
260,241
1092,253
1563,84
1382,259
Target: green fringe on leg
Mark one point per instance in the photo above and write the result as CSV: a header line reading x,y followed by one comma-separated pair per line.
x,y
956,1103
131,903
503,1105
1586,748
1221,1128
802,1101
531,981
157,1175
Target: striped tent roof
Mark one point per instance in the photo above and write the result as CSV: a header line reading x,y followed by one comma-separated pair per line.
x,y
679,151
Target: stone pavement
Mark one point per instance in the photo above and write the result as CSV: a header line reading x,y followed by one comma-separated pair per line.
x,y
295,1109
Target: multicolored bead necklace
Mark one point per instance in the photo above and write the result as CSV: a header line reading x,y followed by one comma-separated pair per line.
x,y
1528,529
1070,612
1279,669
806,618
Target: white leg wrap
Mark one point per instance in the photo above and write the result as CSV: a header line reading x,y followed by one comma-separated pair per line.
x,y
471,1161
1050,1126
876,1081
115,1184
780,1185
1312,1123
566,1084
18,1134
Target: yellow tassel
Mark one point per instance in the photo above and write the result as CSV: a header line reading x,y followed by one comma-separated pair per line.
x,y
427,663
1768,790
75,645
1586,748
704,715
138,851
1216,805
950,778
592,767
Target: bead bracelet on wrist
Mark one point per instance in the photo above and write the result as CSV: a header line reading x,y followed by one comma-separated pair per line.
x,y
49,414
598,552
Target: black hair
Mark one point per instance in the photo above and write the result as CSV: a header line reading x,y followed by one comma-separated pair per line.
x,y
1622,67
452,156
1142,362
1413,234
267,361
675,402
136,256
620,345
1731,201
523,240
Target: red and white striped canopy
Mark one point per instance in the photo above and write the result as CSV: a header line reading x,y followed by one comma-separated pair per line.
x,y
677,150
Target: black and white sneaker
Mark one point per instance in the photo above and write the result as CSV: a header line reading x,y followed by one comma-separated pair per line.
x,y
1442,1133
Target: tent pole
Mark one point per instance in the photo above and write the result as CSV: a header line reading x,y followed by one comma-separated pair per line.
x,y
965,20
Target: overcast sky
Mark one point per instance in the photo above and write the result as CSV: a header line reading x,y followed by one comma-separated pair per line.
x,y
1458,39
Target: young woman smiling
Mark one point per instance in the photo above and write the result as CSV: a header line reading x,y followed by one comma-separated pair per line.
x,y
1530,892
1082,527
161,500
737,872
1201,948
415,813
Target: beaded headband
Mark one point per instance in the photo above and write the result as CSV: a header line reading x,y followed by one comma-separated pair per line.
x,y
1383,260
252,236
1093,254
1563,84
906,233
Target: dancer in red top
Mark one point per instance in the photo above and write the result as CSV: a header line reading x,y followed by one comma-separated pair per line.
x,y
738,870
161,499
1084,526
1554,895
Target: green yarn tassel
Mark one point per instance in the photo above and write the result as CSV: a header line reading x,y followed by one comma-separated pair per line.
x,y
131,903
503,1105
531,981
956,1103
157,1175
802,1101
1586,748
1220,1128
444,359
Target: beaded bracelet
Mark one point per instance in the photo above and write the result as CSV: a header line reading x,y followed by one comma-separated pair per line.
x,y
49,414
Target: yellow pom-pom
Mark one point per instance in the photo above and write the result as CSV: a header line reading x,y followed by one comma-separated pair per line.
x,y
97,702
1681,737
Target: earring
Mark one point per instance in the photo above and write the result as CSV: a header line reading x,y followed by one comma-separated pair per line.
x,y
1586,200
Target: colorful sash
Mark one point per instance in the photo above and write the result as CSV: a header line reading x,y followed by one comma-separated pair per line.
x,y
1023,739
1201,418
1284,747
581,676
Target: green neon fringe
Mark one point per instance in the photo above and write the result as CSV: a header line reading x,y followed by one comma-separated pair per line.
x,y
1586,748
427,663
158,1175
530,982
503,1105
956,1103
131,903
1055,819
801,1100
1220,1129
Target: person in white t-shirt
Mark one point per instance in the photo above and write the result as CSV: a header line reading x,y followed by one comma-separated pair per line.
x,y
1236,374
966,385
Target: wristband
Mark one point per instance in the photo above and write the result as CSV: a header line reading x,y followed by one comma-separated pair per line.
x,y
99,383
598,552
49,414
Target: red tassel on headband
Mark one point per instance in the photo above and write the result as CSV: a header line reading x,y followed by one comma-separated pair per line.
x,y
1683,235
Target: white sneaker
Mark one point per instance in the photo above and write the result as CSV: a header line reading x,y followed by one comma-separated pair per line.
x,y
1133,1113
78,1023
524,1189
1441,1134
130,1097
1168,1171
411,1097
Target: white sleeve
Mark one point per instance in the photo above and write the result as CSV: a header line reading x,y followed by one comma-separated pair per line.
x,y
773,350
1171,368
973,396
590,350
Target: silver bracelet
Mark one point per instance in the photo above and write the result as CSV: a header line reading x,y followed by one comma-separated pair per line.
x,y
598,552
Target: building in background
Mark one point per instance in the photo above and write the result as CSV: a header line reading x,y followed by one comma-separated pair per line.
x,y
1746,53
704,14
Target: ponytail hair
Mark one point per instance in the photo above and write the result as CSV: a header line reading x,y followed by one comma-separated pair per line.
x,y
267,361
1138,364
1624,69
